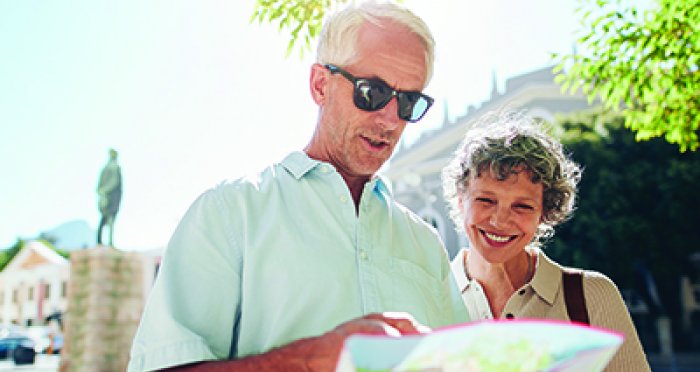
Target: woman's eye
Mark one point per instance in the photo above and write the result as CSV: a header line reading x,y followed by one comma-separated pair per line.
x,y
525,207
485,200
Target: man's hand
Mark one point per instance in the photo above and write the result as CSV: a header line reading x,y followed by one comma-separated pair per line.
x,y
389,323
325,350
316,354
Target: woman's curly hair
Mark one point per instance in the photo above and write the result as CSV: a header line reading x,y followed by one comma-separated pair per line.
x,y
508,143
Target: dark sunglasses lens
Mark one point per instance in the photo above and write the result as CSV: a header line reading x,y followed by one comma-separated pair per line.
x,y
371,95
412,106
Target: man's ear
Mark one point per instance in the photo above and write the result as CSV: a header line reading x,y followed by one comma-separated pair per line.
x,y
318,82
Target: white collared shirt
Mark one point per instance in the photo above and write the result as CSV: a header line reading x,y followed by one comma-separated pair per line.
x,y
472,292
524,297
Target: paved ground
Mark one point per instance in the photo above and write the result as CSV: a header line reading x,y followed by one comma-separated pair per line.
x,y
43,363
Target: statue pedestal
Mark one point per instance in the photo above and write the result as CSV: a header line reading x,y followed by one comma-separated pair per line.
x,y
105,301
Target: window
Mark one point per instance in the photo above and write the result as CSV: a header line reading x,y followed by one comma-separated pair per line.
x,y
31,294
64,287
14,296
47,290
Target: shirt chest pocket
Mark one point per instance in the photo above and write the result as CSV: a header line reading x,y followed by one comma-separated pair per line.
x,y
416,291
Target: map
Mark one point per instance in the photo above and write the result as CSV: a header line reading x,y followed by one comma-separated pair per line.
x,y
492,345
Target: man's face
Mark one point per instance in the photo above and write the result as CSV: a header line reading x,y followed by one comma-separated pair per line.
x,y
358,142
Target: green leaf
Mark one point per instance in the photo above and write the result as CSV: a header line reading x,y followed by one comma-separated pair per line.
x,y
559,78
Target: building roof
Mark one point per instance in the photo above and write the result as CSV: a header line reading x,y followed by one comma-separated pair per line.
x,y
34,253
433,149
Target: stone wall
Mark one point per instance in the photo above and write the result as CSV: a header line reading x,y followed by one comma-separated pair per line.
x,y
105,301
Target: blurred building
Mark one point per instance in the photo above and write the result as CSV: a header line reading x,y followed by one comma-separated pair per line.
x,y
33,286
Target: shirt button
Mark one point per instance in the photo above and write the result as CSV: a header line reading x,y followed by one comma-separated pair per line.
x,y
343,199
522,292
324,169
363,254
509,316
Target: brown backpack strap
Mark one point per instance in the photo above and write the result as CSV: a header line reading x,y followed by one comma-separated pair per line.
x,y
572,280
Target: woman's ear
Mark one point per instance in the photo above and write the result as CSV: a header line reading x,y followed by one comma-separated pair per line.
x,y
318,83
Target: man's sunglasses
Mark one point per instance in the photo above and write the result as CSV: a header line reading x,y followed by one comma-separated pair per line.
x,y
373,94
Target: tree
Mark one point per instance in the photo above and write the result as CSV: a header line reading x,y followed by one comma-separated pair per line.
x,y
305,17
642,64
6,255
635,207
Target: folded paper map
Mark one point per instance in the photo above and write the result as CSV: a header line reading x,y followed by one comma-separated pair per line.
x,y
494,345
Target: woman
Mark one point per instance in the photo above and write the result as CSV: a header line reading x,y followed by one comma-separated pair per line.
x,y
508,185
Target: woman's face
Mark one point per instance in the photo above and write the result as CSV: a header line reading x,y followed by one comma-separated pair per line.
x,y
501,217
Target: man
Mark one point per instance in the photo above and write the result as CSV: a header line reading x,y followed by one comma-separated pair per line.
x,y
109,193
275,271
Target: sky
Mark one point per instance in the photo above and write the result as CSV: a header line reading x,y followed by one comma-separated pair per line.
x,y
190,93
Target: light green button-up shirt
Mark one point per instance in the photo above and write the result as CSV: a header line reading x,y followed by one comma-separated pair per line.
x,y
259,262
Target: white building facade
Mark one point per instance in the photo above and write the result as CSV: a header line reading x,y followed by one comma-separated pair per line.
x,y
33,286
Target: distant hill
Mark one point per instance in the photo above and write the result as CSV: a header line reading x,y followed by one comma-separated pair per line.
x,y
71,235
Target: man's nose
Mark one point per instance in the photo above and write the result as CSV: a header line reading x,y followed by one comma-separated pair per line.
x,y
388,116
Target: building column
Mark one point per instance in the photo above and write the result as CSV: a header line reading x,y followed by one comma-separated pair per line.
x,y
6,302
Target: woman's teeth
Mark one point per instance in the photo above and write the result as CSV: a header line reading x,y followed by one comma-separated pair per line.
x,y
497,238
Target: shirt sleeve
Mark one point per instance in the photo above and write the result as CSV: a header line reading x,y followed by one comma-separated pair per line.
x,y
192,309
607,309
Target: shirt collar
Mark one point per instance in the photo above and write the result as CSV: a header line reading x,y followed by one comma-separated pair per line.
x,y
457,266
298,163
546,280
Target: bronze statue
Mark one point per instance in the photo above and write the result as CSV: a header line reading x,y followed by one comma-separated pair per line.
x,y
109,192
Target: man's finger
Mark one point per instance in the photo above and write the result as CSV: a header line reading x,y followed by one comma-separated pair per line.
x,y
403,322
366,325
